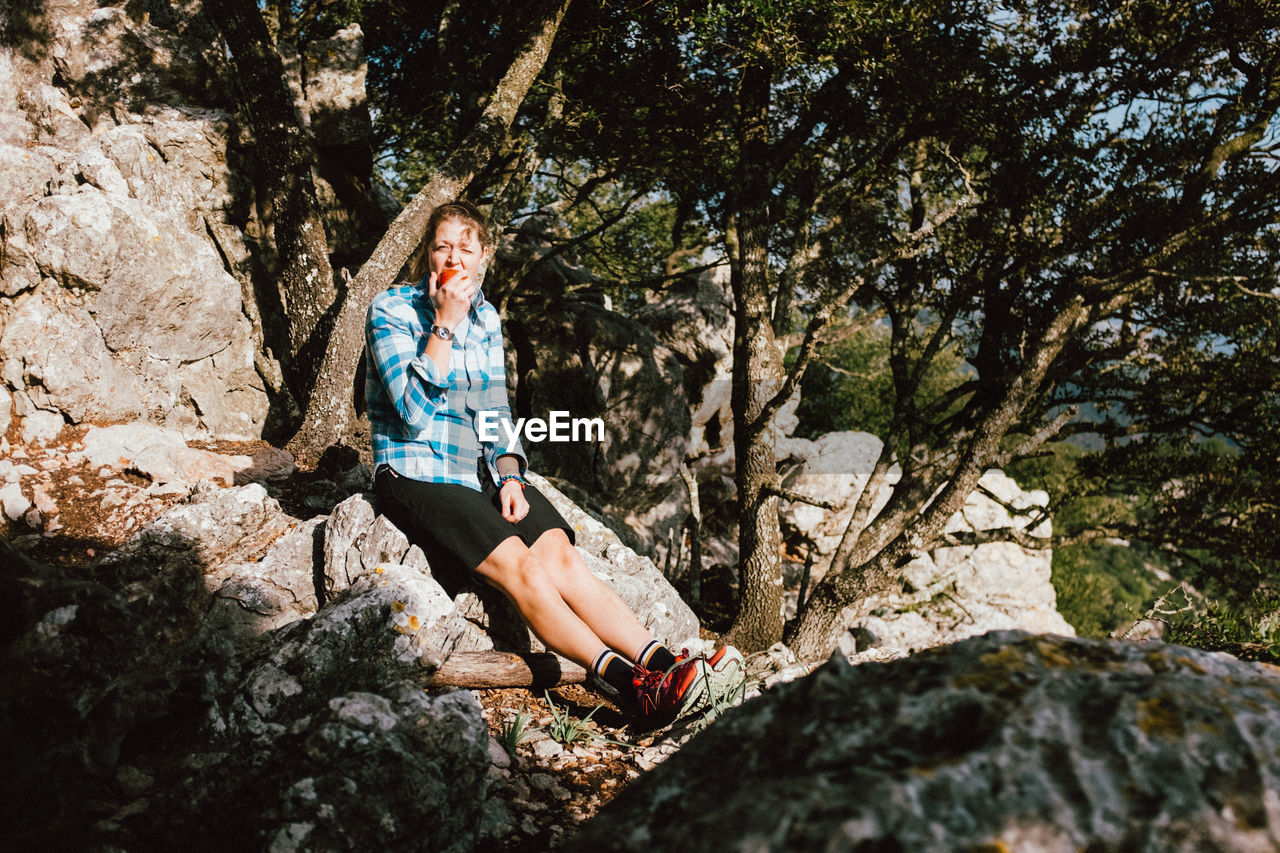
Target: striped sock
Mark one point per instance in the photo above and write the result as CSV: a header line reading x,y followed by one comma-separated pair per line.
x,y
614,670
656,657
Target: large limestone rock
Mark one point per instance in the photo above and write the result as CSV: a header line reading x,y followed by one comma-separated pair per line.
x,y
134,717
116,302
132,254
578,356
391,767
360,543
954,591
694,319
1003,742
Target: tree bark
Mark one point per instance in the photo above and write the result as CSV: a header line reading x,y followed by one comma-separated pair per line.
x,y
483,670
757,377
284,153
330,413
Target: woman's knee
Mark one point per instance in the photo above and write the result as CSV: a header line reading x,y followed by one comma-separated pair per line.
x,y
518,572
560,559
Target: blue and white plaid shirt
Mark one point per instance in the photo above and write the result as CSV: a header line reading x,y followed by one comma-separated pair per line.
x,y
426,423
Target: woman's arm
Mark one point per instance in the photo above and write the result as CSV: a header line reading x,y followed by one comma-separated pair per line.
x,y
509,464
416,384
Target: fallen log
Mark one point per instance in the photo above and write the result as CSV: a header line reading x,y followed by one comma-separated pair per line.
x,y
484,670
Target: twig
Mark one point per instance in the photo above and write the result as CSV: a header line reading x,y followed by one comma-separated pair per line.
x,y
797,497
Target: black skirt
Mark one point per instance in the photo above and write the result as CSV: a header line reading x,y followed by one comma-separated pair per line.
x,y
458,527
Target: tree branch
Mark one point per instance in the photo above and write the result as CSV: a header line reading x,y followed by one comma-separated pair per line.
x,y
1045,433
911,246
798,497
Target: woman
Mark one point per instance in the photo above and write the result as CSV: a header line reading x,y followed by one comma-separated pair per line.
x,y
435,363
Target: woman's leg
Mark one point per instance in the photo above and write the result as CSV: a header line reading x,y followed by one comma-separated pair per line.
x,y
518,572
590,598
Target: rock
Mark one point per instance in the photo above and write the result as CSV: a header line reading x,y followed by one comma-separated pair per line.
x,y
358,540
547,748
269,463
390,626
126,205
43,500
169,297
226,392
497,821
776,665
40,427
498,756
943,596
117,446
25,173
579,357
280,588
366,768
166,464
6,410
319,734
213,526
162,454
104,50
146,314
1006,741
834,467
261,569
14,502
337,107
963,591
694,319
60,360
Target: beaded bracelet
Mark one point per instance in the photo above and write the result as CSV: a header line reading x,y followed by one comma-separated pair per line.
x,y
502,481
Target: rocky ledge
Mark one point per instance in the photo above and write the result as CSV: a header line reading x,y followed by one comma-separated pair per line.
x,y
1008,741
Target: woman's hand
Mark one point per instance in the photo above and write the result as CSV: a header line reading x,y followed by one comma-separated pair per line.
x,y
452,298
511,499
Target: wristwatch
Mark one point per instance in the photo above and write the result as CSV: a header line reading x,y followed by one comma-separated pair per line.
x,y
441,332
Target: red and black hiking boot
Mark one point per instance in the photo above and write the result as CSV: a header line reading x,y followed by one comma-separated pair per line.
x,y
663,697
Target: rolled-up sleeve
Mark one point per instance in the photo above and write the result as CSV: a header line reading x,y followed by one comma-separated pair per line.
x,y
415,384
496,402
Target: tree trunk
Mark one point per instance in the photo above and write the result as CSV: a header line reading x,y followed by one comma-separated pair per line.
x,y
285,157
757,377
330,413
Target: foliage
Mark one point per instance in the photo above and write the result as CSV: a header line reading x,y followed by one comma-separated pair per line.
x,y
566,730
851,386
1129,517
515,730
1251,632
1074,200
1101,586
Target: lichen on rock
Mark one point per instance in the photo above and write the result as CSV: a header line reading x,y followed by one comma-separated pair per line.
x,y
1006,741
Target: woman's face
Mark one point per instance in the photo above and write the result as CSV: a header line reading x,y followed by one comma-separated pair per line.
x,y
456,247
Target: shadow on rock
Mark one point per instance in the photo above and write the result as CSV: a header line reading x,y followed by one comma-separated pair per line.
x,y
138,720
97,681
